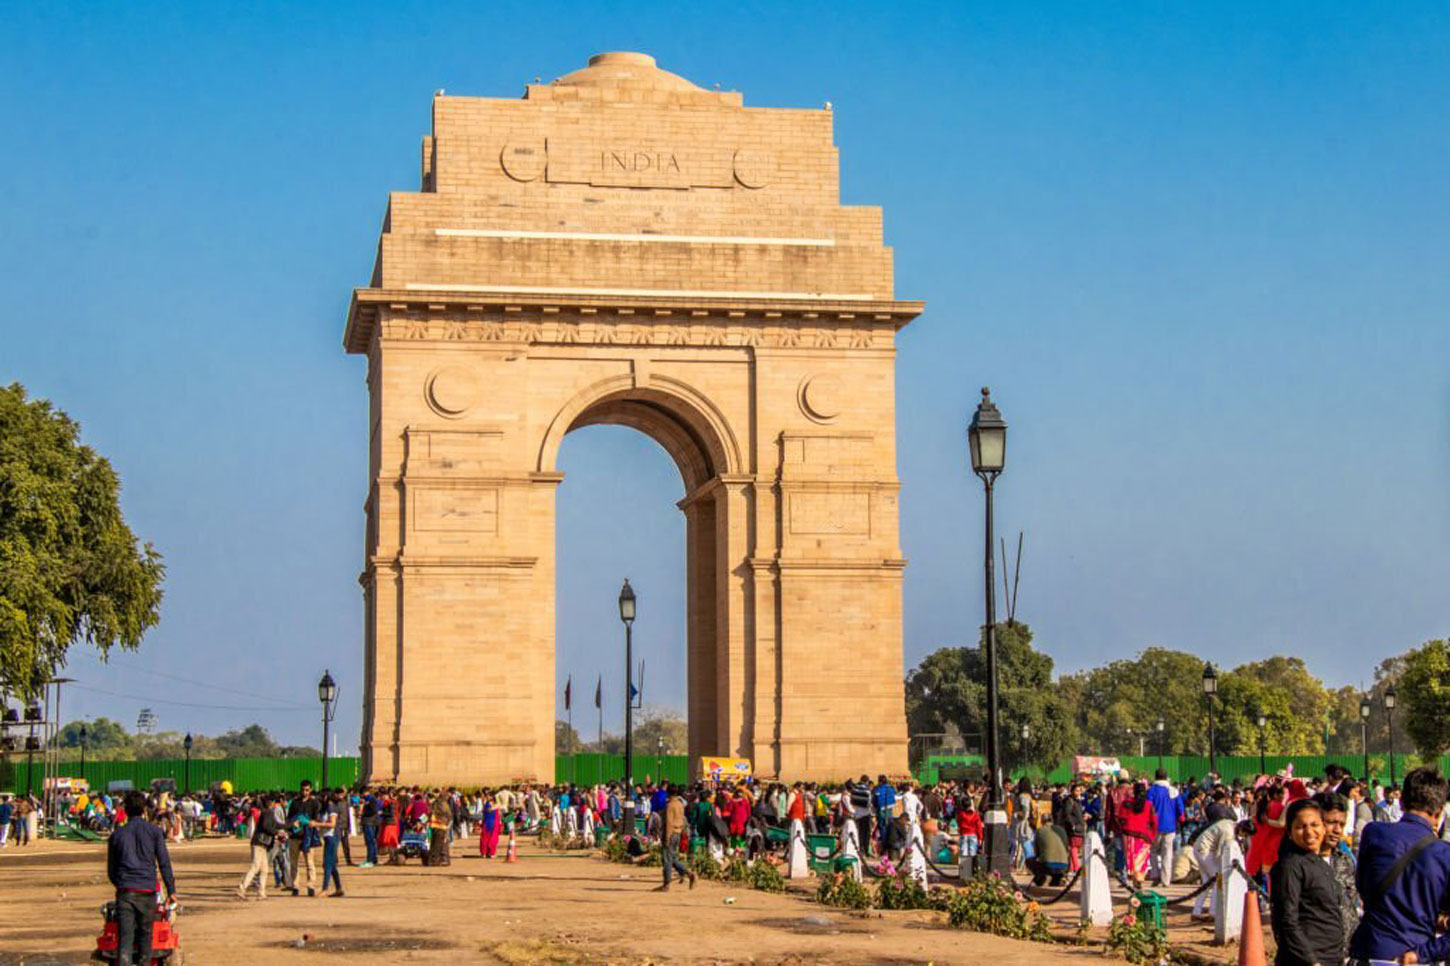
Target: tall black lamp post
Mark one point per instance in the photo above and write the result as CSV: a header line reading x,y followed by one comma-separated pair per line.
x,y
85,734
1210,688
987,441
1161,727
1026,737
1261,721
626,615
327,694
1364,712
186,744
1390,700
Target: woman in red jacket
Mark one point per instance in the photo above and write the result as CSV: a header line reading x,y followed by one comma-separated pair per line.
x,y
1139,824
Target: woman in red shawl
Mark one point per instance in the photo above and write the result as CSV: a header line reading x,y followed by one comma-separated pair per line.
x,y
1138,823
488,828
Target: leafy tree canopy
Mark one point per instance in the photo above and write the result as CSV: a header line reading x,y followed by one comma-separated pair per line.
x,y
949,690
70,569
1424,691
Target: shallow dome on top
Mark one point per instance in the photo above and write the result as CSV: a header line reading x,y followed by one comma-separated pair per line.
x,y
623,68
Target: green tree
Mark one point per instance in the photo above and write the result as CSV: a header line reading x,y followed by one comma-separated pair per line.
x,y
948,691
70,569
1424,691
1117,707
103,737
1295,705
253,741
566,738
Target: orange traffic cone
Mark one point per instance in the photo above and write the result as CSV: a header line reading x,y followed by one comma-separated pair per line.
x,y
513,856
1251,940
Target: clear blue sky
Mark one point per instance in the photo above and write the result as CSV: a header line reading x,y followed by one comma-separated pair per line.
x,y
1202,255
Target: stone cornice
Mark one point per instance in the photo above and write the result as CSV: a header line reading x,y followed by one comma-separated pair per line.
x,y
484,317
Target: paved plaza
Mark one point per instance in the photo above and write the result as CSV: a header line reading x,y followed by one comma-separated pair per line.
x,y
551,907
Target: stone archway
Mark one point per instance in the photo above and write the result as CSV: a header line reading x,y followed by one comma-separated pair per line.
x,y
622,247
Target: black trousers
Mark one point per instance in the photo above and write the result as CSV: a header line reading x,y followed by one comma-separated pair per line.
x,y
134,914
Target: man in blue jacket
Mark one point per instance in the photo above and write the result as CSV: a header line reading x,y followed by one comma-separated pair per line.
x,y
134,853
883,799
1404,879
1168,805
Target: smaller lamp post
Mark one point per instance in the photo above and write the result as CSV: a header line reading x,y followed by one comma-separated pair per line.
x,y
85,734
1026,737
626,616
1364,712
186,744
1210,688
1390,700
1261,720
327,694
660,761
1161,727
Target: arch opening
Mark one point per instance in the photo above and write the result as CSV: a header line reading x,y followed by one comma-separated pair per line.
x,y
674,611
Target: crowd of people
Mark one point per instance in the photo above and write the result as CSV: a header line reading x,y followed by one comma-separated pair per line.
x,y
1348,872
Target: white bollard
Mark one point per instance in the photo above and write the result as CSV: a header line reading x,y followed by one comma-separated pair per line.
x,y
797,864
851,847
1228,895
717,851
1097,900
554,828
589,827
916,854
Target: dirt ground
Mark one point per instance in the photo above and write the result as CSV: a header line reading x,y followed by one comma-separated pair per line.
x,y
553,908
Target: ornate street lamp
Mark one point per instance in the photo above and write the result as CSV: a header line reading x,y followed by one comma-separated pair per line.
x,y
1161,726
1364,712
327,695
1026,737
626,615
987,443
1390,700
85,734
1261,721
186,744
1210,688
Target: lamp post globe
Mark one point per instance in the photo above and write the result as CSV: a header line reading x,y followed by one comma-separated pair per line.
x,y
1391,699
987,446
626,616
1210,688
1364,713
327,695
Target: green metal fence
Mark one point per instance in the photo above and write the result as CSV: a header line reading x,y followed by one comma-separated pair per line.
x,y
600,769
245,774
251,774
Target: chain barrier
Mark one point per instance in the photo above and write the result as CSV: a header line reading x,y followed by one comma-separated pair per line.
x,y
1238,867
1065,889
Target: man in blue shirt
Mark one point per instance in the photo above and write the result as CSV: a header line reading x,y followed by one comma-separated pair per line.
x,y
135,852
1404,879
1169,808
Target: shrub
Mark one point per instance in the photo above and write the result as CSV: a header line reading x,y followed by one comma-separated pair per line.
x,y
901,893
844,891
766,877
991,904
1140,941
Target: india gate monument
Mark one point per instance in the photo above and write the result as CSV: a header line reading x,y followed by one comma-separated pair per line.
x,y
621,246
